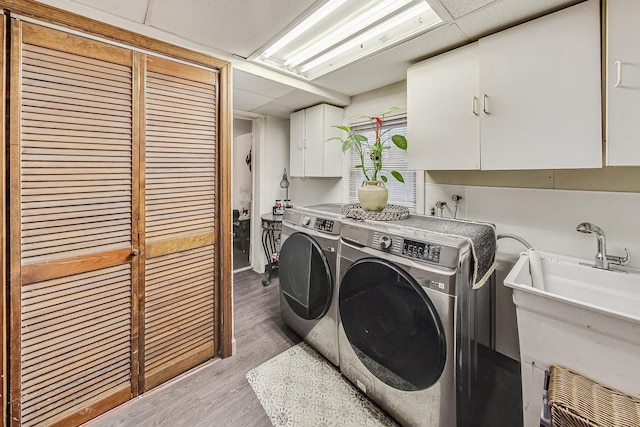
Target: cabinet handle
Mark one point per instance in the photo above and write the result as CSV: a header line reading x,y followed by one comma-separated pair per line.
x,y
485,104
134,252
474,106
300,146
619,78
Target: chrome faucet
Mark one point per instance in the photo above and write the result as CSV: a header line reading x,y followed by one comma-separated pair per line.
x,y
603,260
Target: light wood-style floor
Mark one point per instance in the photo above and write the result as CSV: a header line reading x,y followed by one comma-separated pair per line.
x,y
218,394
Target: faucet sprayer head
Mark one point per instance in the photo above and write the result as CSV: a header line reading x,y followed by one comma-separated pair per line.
x,y
587,227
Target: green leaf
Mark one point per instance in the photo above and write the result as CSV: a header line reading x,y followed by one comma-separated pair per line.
x,y
346,145
391,110
344,128
335,138
383,178
397,176
359,167
359,137
400,141
356,118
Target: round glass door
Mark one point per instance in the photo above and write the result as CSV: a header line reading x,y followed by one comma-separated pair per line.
x,y
392,325
305,276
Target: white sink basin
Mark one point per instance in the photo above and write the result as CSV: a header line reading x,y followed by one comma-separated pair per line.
x,y
576,316
569,280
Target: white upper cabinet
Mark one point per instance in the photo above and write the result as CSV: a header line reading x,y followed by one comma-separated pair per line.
x,y
623,82
443,125
541,93
310,153
532,94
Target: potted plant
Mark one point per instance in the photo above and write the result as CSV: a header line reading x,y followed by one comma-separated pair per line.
x,y
373,194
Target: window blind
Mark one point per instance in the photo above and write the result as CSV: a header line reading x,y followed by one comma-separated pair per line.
x,y
394,159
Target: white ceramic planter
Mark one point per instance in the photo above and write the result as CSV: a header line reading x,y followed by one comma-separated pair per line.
x,y
373,196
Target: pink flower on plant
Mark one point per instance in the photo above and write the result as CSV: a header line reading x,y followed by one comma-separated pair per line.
x,y
378,121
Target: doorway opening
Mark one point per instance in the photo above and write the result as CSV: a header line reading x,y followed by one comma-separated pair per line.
x,y
242,192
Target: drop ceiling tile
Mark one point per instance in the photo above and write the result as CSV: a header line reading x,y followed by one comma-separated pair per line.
x,y
299,99
391,66
458,8
248,101
506,13
133,10
259,85
272,109
237,27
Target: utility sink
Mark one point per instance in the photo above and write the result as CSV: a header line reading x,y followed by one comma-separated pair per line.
x,y
577,282
577,316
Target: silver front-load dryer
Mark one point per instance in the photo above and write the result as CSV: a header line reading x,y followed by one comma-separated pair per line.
x,y
406,335
307,267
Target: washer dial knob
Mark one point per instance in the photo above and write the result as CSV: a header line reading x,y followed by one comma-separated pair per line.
x,y
306,220
385,242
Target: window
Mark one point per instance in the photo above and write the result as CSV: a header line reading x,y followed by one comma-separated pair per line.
x,y
401,194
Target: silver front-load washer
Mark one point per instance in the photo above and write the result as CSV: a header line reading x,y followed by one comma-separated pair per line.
x,y
409,322
308,267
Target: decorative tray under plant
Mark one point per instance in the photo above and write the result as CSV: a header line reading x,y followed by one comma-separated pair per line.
x,y
389,213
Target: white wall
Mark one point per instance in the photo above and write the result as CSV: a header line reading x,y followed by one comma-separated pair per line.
x,y
378,101
271,156
547,219
242,179
273,159
310,191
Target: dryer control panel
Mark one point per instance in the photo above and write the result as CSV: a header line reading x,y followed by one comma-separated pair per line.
x,y
308,220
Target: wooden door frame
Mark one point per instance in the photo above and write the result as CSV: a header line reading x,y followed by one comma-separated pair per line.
x,y
49,14
223,276
3,240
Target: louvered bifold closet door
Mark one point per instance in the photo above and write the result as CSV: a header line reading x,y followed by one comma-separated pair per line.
x,y
179,218
72,227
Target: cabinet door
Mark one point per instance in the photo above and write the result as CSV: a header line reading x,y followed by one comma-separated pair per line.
x,y
443,122
623,83
296,138
333,157
540,87
314,141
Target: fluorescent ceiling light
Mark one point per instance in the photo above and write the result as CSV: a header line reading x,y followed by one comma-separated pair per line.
x,y
361,22
304,26
368,35
345,31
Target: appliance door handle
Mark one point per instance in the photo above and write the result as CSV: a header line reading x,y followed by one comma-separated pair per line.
x,y
474,105
618,74
485,104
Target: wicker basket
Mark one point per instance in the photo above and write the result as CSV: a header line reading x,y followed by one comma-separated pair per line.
x,y
577,401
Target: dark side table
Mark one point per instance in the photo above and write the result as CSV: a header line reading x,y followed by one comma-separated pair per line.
x,y
271,228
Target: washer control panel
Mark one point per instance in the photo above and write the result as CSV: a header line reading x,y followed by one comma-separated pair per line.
x,y
421,247
324,224
414,249
421,250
